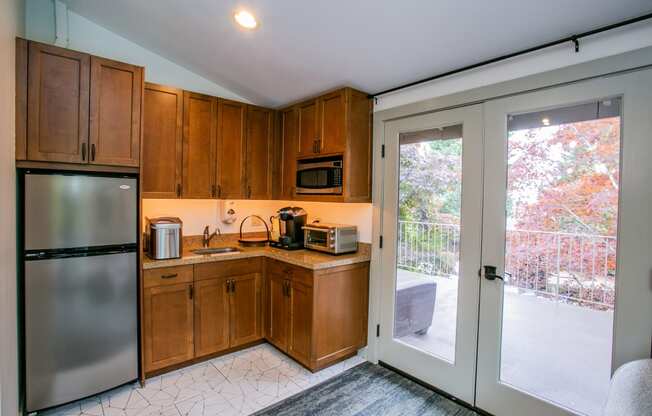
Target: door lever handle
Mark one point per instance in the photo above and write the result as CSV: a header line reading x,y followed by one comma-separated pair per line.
x,y
490,273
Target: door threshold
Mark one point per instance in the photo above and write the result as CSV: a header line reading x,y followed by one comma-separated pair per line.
x,y
435,389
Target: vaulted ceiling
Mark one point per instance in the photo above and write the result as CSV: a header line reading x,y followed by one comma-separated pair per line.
x,y
303,47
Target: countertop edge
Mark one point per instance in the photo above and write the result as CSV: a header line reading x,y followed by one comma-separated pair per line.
x,y
199,259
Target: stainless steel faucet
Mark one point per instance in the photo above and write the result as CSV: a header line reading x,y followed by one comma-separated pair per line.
x,y
208,237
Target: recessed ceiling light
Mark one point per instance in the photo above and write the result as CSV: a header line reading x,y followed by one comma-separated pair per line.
x,y
545,121
245,19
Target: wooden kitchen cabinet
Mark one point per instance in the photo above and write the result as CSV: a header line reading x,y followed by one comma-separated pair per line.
x,y
231,149
317,317
199,146
246,312
168,325
58,104
239,303
115,109
162,142
259,152
278,310
212,305
80,108
308,128
301,323
286,158
334,124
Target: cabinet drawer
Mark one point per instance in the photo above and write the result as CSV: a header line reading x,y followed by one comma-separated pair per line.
x,y
228,268
168,276
289,271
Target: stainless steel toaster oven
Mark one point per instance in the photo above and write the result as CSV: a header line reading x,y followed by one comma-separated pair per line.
x,y
331,238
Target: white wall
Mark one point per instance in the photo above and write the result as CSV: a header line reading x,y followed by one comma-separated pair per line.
x,y
196,214
11,25
84,35
603,45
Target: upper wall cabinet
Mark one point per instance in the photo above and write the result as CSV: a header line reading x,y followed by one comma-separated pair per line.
x,y
337,123
116,97
58,104
199,145
308,128
259,152
231,149
79,108
162,142
286,161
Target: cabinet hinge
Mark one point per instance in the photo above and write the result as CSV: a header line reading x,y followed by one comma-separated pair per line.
x,y
378,331
382,151
380,242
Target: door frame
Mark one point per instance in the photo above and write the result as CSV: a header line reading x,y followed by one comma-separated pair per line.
x,y
458,378
632,335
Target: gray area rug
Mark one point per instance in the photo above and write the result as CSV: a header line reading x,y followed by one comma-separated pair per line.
x,y
367,389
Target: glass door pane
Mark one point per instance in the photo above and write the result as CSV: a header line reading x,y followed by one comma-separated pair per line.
x,y
560,257
427,267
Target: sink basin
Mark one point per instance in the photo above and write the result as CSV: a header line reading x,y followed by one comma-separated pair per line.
x,y
218,250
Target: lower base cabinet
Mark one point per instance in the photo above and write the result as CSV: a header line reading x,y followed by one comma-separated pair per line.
x,y
167,317
317,317
191,312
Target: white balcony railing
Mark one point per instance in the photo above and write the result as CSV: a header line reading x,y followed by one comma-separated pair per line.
x,y
573,268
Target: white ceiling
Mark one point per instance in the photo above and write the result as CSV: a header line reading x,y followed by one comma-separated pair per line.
x,y
304,47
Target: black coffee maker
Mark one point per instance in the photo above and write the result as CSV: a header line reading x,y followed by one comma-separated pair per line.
x,y
287,228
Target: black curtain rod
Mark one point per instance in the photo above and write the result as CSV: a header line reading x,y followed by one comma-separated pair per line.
x,y
574,38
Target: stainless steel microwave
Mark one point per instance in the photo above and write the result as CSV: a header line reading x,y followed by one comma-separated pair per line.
x,y
320,176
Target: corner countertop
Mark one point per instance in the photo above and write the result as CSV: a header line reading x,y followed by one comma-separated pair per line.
x,y
313,260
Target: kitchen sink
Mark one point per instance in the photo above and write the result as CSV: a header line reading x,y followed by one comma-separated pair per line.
x,y
217,250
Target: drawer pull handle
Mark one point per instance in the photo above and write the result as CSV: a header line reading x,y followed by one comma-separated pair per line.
x,y
169,276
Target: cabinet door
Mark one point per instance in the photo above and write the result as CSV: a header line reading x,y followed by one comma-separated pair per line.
x,y
199,145
211,316
230,149
278,317
308,128
300,345
168,325
332,111
245,309
58,94
162,142
259,152
116,97
288,158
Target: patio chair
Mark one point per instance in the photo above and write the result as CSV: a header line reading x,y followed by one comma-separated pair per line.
x,y
415,305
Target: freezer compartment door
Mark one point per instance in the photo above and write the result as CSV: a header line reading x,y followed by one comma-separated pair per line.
x,y
68,211
81,327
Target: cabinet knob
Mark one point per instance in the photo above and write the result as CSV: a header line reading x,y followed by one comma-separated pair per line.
x,y
83,151
93,152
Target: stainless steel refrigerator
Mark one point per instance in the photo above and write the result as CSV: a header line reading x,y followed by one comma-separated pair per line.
x,y
80,286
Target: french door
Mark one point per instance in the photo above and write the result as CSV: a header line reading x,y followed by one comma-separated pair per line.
x,y
516,269
430,287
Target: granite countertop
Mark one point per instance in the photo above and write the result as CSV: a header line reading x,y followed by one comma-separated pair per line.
x,y
309,259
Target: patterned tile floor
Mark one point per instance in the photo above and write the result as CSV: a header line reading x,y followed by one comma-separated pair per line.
x,y
240,383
